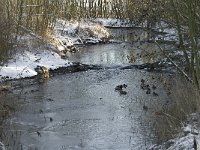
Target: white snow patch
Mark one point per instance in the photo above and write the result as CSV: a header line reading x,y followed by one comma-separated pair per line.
x,y
23,65
185,140
79,32
65,35
185,143
171,33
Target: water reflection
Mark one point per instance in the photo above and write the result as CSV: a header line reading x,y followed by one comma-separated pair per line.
x,y
119,54
134,48
110,54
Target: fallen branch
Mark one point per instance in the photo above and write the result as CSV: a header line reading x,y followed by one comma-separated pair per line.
x,y
179,69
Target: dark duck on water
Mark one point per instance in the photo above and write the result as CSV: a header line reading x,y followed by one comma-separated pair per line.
x,y
120,87
143,85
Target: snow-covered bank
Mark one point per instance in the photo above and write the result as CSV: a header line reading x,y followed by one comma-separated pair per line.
x,y
184,143
23,65
69,33
188,139
65,36
169,33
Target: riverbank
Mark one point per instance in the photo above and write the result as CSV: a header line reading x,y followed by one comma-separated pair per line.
x,y
30,51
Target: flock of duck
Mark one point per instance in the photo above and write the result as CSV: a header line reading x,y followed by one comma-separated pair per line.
x,y
120,89
149,90
147,87
144,86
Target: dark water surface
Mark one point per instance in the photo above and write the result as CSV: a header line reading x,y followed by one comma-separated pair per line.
x,y
83,111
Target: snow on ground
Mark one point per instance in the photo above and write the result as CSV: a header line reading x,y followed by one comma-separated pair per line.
x,y
170,33
23,65
180,143
185,139
70,33
66,34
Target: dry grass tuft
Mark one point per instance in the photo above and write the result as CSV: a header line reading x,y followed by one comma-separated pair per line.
x,y
183,100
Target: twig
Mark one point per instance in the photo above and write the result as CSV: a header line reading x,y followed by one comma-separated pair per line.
x,y
183,72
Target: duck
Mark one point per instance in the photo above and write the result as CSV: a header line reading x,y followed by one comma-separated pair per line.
x,y
51,119
144,86
120,87
38,133
122,92
142,80
195,145
148,91
124,85
145,107
155,94
153,87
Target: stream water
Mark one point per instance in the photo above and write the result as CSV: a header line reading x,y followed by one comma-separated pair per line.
x,y
82,110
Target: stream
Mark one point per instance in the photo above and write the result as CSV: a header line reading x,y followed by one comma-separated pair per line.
x,y
82,110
